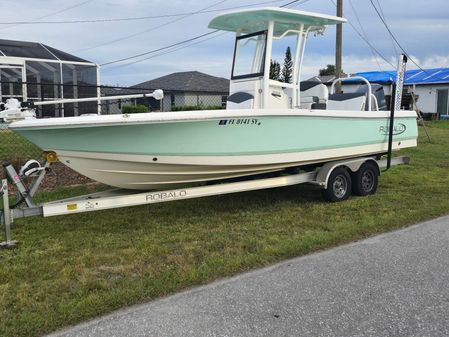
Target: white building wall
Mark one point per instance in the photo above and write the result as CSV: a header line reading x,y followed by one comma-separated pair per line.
x,y
182,99
166,103
427,100
387,89
192,99
172,99
201,99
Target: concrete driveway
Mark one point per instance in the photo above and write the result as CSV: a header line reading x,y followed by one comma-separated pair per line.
x,y
396,284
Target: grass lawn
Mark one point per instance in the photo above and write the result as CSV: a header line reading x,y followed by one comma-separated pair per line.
x,y
68,269
14,146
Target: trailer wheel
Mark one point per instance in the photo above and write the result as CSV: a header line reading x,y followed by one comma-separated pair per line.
x,y
338,185
365,180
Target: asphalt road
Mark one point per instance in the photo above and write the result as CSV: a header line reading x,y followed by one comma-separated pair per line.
x,y
396,284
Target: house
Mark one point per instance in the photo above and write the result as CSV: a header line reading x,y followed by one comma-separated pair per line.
x,y
181,90
190,88
110,107
32,71
429,86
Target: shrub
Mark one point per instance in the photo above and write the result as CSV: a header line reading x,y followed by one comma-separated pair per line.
x,y
134,109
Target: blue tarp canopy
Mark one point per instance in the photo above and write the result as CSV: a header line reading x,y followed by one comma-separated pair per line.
x,y
418,76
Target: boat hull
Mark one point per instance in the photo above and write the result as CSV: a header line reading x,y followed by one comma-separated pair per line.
x,y
156,152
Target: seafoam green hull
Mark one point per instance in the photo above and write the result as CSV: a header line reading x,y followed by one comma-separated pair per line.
x,y
222,137
150,153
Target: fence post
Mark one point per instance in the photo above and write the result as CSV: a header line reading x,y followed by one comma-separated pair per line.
x,y
6,214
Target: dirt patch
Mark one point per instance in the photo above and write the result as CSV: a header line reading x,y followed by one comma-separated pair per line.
x,y
59,175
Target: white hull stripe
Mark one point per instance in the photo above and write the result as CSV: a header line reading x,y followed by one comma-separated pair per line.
x,y
247,160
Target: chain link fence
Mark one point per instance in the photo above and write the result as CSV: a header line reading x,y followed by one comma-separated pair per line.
x,y
15,148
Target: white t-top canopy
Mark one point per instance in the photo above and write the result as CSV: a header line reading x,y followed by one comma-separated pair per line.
x,y
253,20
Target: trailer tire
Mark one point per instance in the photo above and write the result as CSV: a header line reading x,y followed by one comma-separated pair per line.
x,y
365,180
338,185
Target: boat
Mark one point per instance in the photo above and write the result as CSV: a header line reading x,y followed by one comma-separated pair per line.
x,y
12,110
268,125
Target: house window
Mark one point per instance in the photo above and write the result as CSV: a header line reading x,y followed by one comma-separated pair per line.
x,y
172,100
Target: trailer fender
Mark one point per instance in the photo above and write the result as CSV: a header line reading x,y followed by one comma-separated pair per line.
x,y
353,165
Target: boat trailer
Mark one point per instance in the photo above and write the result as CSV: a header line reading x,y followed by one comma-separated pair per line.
x,y
359,174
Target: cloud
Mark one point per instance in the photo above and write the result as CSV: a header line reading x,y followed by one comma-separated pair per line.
x,y
351,64
437,61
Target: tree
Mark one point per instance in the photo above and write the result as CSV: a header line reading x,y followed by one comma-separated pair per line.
x,y
275,70
278,71
329,70
287,69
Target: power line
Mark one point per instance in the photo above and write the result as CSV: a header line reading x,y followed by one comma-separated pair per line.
x,y
366,41
151,28
399,45
363,32
188,45
159,49
301,2
195,43
294,2
383,15
48,15
166,52
392,35
179,43
371,46
137,18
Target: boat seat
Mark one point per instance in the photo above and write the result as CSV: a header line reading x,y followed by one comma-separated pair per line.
x,y
354,101
240,100
309,99
239,97
377,97
319,106
313,92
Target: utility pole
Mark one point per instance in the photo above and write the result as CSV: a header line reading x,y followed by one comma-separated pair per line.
x,y
339,45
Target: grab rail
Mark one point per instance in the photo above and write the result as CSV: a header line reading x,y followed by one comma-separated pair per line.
x,y
341,79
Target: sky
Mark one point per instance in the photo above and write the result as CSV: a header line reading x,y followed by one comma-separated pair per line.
x,y
420,27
